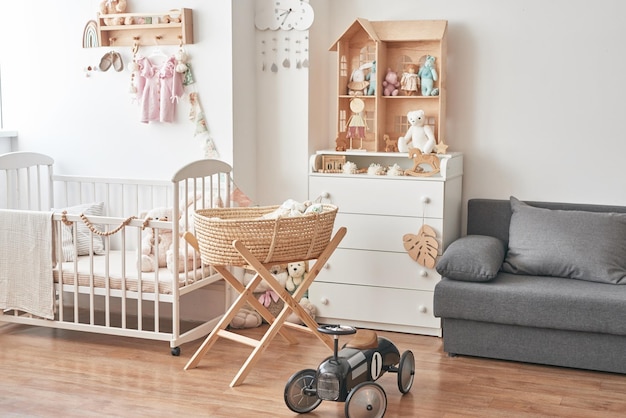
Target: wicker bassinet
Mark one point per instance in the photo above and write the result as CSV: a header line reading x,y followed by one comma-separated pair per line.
x,y
271,241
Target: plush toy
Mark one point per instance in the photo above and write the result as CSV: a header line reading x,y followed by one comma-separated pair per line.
x,y
428,75
358,85
248,317
150,241
113,7
391,83
371,77
297,272
186,257
419,135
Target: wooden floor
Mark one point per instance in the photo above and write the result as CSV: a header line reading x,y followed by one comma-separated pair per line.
x,y
47,372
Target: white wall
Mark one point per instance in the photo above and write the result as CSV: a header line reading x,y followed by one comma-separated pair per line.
x,y
89,124
534,95
535,92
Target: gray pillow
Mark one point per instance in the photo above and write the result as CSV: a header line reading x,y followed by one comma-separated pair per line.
x,y
567,243
474,258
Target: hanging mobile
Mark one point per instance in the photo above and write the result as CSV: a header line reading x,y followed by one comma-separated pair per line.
x,y
305,62
286,62
274,66
263,55
298,52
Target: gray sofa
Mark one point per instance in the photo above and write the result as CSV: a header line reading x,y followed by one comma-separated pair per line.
x,y
537,282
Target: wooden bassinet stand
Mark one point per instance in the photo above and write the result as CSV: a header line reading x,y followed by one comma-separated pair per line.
x,y
278,324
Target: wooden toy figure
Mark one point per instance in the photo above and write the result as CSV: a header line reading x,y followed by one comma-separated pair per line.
x,y
356,123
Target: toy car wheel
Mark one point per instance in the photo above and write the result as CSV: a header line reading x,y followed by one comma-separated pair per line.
x,y
367,399
300,392
406,371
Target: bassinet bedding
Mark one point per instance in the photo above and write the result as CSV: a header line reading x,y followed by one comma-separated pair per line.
x,y
111,267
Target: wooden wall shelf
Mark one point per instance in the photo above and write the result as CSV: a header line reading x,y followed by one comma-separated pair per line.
x,y
147,34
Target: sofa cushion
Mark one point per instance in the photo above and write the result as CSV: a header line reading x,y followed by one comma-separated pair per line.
x,y
535,301
473,258
566,243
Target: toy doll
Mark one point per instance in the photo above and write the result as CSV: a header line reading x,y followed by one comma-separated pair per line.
x,y
410,82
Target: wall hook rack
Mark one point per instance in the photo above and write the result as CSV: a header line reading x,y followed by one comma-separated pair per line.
x,y
165,29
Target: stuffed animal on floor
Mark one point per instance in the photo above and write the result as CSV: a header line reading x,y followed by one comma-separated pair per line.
x,y
297,274
151,240
248,317
419,135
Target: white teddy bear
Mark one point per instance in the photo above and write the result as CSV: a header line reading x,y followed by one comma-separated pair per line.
x,y
150,240
419,135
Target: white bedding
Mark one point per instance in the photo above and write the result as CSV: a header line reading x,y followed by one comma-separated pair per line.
x,y
113,268
26,262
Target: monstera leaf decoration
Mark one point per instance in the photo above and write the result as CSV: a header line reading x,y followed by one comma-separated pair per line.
x,y
422,247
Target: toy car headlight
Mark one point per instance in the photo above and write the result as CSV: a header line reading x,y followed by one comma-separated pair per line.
x,y
328,386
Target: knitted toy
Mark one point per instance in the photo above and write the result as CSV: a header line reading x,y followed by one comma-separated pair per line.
x,y
419,135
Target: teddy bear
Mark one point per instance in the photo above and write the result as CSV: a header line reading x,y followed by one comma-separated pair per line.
x,y
428,75
419,135
391,83
371,77
113,7
248,317
150,240
189,257
297,272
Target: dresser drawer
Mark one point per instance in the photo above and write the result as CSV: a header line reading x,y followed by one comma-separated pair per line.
x,y
363,304
381,196
382,233
377,269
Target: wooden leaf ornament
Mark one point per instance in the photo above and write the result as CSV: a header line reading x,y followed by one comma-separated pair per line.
x,y
422,247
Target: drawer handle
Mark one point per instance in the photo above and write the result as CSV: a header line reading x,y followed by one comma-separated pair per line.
x,y
324,301
424,273
422,309
325,195
425,199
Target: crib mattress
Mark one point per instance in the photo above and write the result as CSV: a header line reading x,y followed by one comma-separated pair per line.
x,y
115,269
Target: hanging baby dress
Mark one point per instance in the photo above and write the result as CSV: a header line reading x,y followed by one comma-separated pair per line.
x,y
158,89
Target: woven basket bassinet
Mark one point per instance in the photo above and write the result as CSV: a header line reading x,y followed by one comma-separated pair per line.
x,y
281,240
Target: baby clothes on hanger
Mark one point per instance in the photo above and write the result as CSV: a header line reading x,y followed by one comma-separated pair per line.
x,y
158,89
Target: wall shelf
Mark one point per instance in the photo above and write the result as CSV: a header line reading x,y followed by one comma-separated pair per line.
x,y
147,34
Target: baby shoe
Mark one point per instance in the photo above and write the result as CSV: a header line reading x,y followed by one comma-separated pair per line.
x,y
106,61
118,64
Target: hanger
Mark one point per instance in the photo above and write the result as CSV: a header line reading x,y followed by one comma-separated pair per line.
x,y
157,52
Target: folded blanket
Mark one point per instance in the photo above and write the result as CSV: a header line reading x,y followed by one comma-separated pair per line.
x,y
26,280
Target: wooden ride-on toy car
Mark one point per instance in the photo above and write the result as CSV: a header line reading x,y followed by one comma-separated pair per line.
x,y
349,375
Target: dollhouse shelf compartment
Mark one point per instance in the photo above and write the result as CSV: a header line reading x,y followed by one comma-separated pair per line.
x,y
147,34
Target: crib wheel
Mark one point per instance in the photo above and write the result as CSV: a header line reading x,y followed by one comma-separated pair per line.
x,y
176,351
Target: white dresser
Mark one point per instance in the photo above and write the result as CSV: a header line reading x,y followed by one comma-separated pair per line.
x,y
371,281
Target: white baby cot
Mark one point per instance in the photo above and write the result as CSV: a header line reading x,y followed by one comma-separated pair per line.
x,y
71,255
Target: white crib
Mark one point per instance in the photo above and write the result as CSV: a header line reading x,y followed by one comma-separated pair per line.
x,y
107,292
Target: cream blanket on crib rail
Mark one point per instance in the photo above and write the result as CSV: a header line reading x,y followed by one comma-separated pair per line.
x,y
26,259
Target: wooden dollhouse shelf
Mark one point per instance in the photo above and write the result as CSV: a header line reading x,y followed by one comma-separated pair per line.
x,y
147,34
